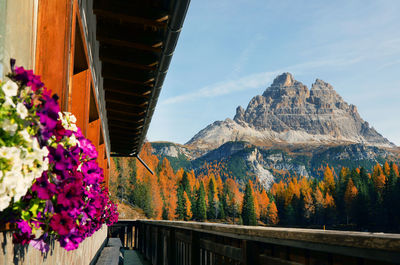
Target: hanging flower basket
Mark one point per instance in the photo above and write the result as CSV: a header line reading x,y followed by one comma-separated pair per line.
x,y
50,182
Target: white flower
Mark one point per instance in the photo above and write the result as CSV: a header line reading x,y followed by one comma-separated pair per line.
x,y
79,167
10,88
12,179
45,166
68,121
4,201
8,102
11,153
26,136
9,127
72,141
22,110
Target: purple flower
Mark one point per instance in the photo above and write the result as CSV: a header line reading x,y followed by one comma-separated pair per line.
x,y
92,172
24,227
71,195
60,158
24,235
88,148
40,243
62,223
68,243
45,190
49,208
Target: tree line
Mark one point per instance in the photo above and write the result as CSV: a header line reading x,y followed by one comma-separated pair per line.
x,y
354,197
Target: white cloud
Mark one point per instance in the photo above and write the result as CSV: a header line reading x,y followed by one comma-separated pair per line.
x,y
226,87
257,80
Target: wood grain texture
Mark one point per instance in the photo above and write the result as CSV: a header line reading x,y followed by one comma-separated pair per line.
x,y
12,254
52,46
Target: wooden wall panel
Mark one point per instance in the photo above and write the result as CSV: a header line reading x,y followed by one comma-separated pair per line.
x,y
100,158
79,99
93,132
52,46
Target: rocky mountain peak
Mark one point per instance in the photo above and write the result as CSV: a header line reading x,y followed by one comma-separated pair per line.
x,y
239,113
283,80
321,84
290,113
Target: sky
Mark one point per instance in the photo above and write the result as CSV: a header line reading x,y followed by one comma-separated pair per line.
x,y
231,50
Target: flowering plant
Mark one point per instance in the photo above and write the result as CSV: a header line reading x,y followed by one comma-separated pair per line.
x,y
21,158
66,200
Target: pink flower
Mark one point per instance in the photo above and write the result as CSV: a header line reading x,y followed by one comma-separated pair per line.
x,y
45,190
71,195
62,223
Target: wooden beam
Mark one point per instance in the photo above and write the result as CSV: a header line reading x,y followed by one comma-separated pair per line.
x,y
114,118
141,57
122,72
120,139
151,10
128,64
129,132
114,125
129,93
125,145
127,102
133,82
140,114
120,16
123,118
134,130
128,34
135,45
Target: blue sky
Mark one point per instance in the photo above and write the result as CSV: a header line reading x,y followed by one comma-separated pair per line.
x,y
231,50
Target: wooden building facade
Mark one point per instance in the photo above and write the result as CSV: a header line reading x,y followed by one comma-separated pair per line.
x,y
106,60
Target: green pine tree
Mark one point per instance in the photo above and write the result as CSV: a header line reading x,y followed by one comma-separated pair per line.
x,y
180,208
212,212
248,211
201,207
185,184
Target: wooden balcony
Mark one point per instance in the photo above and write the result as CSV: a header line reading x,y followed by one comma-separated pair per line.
x,y
184,243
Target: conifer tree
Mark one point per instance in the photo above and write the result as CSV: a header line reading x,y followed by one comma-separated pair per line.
x,y
272,214
201,207
185,184
248,211
329,179
187,205
180,209
213,205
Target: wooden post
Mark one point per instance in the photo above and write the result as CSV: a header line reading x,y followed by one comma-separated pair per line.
x,y
160,246
195,249
250,252
171,247
135,240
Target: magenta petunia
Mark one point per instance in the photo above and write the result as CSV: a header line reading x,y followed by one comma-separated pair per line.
x,y
45,190
62,223
71,195
76,204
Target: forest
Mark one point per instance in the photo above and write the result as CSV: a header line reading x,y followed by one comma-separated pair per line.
x,y
356,199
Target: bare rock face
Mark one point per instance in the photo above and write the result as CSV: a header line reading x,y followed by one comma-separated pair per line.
x,y
290,113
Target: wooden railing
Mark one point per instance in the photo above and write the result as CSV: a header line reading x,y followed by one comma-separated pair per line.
x,y
184,243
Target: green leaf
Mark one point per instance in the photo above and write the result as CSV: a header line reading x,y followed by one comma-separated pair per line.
x,y
25,215
34,208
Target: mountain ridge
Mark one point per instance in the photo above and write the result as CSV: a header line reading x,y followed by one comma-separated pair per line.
x,y
289,128
288,112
